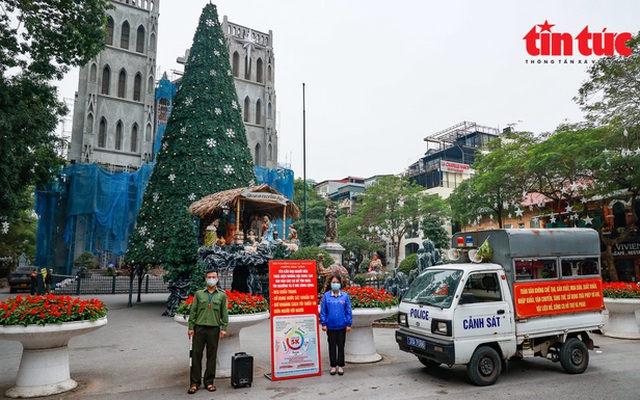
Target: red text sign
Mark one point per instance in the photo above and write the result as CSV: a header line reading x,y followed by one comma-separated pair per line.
x,y
540,41
557,297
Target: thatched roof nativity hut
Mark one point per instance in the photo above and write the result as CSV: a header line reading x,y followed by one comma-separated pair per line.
x,y
244,203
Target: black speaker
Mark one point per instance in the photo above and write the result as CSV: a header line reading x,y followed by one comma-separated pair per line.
x,y
241,370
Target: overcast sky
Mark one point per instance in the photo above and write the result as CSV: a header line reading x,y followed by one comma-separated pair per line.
x,y
382,75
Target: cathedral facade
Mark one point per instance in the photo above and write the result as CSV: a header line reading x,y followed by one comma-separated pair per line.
x,y
113,120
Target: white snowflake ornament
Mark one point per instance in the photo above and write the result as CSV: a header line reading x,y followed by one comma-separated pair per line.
x,y
228,169
142,230
230,133
210,22
213,72
149,245
217,111
5,227
211,143
156,197
234,105
216,52
192,197
172,177
183,130
188,101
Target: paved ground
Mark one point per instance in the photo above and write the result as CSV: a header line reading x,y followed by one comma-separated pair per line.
x,y
142,355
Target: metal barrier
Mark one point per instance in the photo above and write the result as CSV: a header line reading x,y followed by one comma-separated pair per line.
x,y
96,284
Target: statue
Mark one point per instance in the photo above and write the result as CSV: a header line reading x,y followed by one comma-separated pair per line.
x,y
211,233
267,230
375,266
331,216
396,283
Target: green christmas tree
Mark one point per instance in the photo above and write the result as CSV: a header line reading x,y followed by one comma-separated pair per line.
x,y
204,151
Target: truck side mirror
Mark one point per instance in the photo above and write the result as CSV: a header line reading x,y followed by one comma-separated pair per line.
x,y
467,298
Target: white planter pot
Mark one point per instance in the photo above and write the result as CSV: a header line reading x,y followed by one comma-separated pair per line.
x,y
622,322
230,344
44,367
360,346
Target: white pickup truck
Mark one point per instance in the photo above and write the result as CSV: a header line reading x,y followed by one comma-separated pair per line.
x,y
510,293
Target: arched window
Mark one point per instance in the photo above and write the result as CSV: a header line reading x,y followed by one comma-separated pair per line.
x,y
119,135
109,38
122,83
106,79
269,77
258,112
89,127
247,104
102,133
256,158
269,115
140,39
247,68
235,63
147,133
137,86
134,138
259,68
93,75
150,85
124,35
270,152
152,42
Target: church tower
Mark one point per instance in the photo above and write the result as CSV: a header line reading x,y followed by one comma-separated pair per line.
x,y
113,119
252,64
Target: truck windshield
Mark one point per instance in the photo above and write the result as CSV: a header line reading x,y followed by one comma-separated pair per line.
x,y
434,287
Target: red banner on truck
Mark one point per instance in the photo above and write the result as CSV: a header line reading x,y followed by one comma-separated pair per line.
x,y
534,299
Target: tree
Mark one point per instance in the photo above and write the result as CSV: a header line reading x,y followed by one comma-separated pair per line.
x,y
313,233
612,93
610,98
19,235
39,42
204,150
433,229
352,241
615,172
392,206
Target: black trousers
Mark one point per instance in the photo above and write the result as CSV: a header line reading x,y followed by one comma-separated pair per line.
x,y
336,339
204,336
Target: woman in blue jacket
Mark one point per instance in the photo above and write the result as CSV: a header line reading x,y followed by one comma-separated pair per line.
x,y
336,319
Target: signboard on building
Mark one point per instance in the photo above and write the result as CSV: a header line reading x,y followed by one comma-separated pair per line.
x,y
450,166
626,249
295,349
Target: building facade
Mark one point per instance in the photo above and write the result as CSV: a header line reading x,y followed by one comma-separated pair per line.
x,y
446,163
253,67
113,119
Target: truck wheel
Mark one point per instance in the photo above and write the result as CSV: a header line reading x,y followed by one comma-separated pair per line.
x,y
485,366
574,356
429,363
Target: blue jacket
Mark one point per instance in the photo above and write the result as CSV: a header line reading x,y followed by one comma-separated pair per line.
x,y
335,311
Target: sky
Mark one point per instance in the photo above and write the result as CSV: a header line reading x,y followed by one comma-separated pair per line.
x,y
380,76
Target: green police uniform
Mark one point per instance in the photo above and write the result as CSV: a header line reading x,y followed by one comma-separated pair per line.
x,y
207,317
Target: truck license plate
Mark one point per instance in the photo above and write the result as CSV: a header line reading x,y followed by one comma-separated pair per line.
x,y
416,343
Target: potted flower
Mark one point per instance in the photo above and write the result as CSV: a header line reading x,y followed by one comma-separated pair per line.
x,y
244,310
44,325
368,304
622,300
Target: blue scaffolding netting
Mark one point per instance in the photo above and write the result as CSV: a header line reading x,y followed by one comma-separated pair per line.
x,y
107,204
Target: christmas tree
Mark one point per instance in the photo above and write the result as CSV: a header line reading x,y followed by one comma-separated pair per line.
x,y
204,150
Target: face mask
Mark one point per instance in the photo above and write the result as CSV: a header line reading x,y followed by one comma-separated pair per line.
x,y
335,286
211,282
